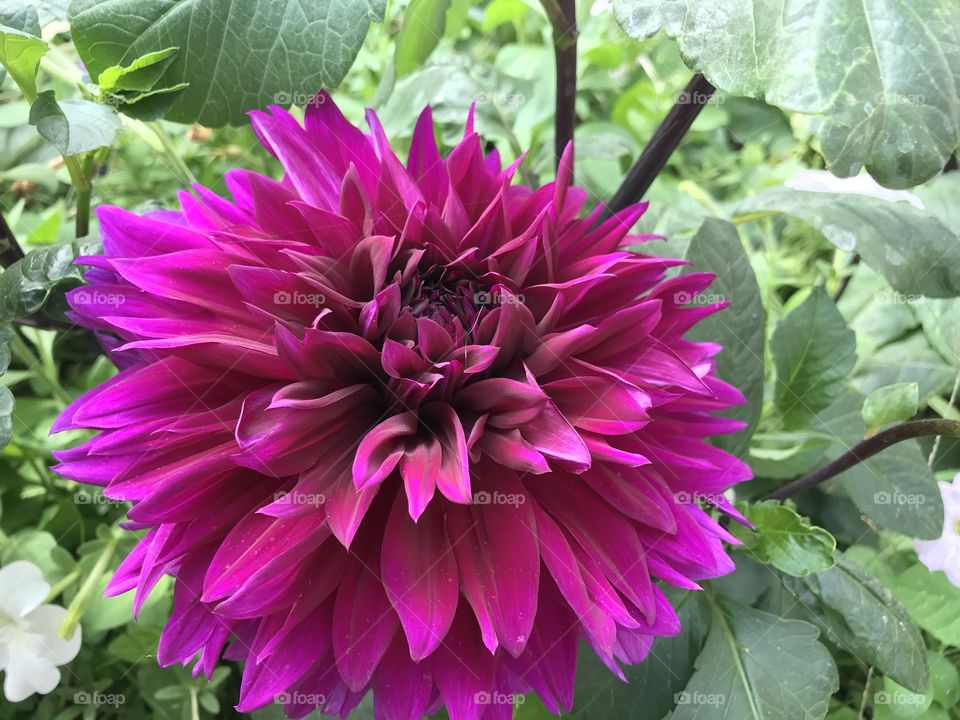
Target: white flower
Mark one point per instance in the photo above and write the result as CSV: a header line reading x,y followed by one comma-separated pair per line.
x,y
30,648
863,184
944,553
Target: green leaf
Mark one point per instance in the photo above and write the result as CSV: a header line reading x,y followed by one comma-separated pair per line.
x,y
141,74
895,702
944,680
786,540
424,24
20,54
717,248
897,490
236,56
913,249
857,612
895,112
890,404
74,126
41,549
932,600
814,352
908,360
757,666
20,16
26,285
651,685
940,320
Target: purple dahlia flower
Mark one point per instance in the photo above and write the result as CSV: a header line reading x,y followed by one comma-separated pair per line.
x,y
413,429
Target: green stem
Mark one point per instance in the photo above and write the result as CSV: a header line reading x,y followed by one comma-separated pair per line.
x,y
194,705
170,152
81,183
751,216
59,587
84,596
25,355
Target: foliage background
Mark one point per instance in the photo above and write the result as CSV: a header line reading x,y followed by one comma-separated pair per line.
x,y
810,335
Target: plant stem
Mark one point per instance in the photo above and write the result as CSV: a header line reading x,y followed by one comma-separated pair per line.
x,y
83,598
194,705
563,20
662,144
64,583
866,449
80,178
866,692
950,404
25,355
170,152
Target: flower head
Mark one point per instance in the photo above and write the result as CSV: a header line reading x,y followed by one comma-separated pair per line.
x,y
31,648
412,428
944,552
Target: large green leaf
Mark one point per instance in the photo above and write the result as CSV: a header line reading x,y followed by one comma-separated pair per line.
x,y
814,352
27,284
652,684
932,600
717,248
20,54
235,55
758,666
897,490
914,250
785,540
74,126
858,613
883,77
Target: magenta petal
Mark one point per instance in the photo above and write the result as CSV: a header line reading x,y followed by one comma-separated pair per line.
x,y
419,573
499,559
381,450
363,623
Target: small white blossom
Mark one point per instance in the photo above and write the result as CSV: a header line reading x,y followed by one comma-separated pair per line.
x,y
944,552
30,648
